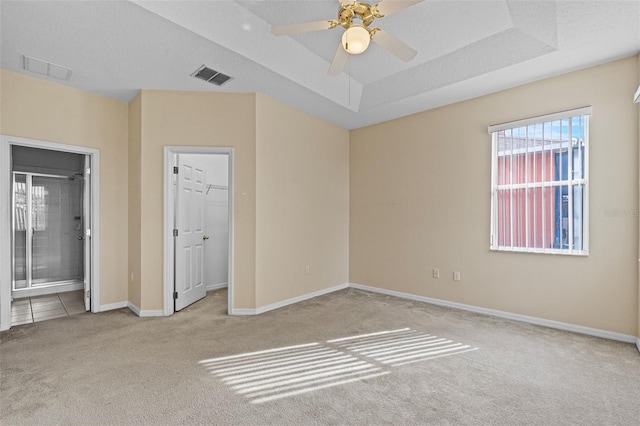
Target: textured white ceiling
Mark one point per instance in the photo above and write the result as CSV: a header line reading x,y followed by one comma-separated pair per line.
x,y
465,49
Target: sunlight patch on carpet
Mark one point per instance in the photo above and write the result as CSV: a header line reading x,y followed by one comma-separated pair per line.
x,y
278,373
401,347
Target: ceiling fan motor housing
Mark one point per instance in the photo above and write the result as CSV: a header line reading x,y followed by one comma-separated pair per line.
x,y
364,11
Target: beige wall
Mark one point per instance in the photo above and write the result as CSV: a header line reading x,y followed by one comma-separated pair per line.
x,y
135,218
196,119
420,200
308,188
638,107
302,204
417,190
37,109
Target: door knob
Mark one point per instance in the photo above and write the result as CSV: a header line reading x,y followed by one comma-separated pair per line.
x,y
205,237
81,238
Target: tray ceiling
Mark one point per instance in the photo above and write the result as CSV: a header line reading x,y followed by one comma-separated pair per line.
x,y
465,49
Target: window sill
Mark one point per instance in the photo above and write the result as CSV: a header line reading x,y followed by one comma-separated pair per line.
x,y
579,253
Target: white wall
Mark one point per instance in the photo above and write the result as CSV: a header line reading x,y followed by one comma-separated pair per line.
x,y
216,265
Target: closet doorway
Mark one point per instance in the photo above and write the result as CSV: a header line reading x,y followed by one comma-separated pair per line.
x,y
198,224
50,221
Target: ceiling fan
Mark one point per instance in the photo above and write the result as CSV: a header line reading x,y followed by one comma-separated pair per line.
x,y
356,17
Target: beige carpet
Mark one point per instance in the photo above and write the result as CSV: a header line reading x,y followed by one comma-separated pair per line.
x,y
350,357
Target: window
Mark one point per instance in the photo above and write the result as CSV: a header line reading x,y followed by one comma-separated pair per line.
x,y
539,184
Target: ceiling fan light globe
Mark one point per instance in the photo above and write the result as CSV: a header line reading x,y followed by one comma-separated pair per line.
x,y
355,39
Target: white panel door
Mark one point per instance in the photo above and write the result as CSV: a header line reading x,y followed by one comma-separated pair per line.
x,y
189,248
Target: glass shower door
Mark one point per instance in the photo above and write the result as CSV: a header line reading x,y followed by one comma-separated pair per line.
x,y
20,226
56,216
48,230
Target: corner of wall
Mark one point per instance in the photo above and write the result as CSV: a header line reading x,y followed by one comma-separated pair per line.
x,y
134,198
184,118
396,173
302,205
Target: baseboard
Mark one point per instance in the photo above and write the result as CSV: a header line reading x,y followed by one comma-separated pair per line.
x,y
133,308
112,306
243,311
471,308
507,315
147,313
152,313
297,299
212,287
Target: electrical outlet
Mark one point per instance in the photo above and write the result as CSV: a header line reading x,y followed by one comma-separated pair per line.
x,y
436,273
307,269
456,275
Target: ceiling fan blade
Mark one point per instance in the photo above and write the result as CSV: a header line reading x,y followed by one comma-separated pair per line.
x,y
387,7
393,45
339,61
303,27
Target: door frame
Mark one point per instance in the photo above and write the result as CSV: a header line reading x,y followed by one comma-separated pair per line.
x,y
6,142
169,214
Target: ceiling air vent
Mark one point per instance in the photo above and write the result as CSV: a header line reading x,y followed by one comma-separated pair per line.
x,y
212,76
46,68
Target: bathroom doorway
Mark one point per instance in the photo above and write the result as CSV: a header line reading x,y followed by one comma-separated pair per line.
x,y
49,270
48,221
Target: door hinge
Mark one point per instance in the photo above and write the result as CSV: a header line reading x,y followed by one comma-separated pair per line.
x,y
88,294
87,171
175,232
175,170
175,295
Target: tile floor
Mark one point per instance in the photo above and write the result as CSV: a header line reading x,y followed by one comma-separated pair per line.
x,y
42,308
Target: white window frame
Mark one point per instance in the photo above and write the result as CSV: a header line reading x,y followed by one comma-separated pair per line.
x,y
570,182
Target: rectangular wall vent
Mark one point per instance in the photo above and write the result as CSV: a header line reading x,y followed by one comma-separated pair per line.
x,y
212,76
46,68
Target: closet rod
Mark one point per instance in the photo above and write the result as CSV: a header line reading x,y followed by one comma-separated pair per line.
x,y
210,187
